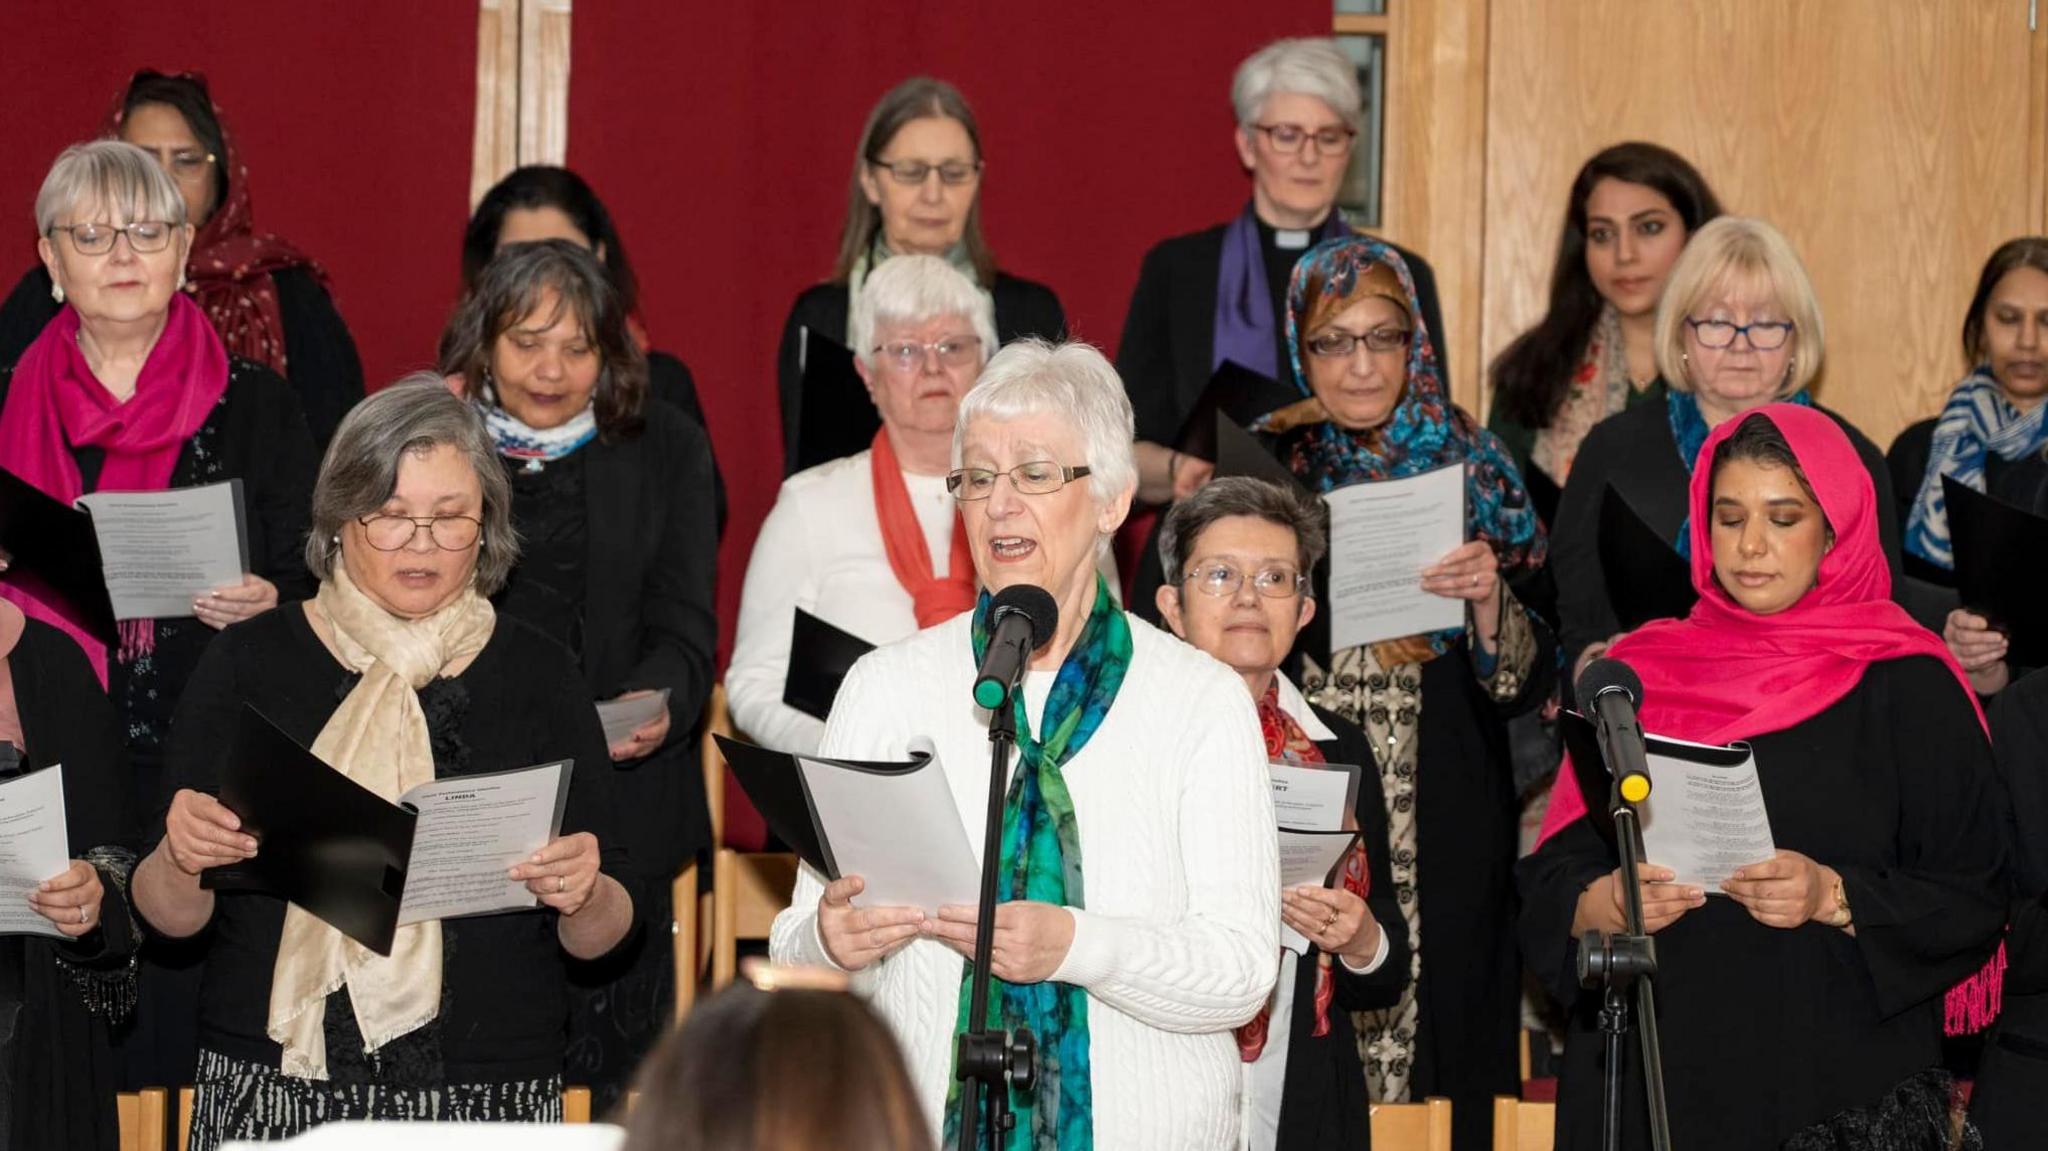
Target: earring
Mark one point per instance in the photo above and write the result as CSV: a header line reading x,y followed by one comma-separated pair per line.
x,y
57,292
337,539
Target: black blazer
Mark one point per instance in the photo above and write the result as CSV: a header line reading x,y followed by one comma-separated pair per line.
x,y
650,617
1170,330
1635,450
2011,1096
1324,1104
1023,308
320,355
670,379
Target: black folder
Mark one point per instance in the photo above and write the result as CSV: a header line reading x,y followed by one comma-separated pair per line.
x,y
1235,393
2001,552
54,556
1241,453
1646,577
820,655
835,417
325,842
776,788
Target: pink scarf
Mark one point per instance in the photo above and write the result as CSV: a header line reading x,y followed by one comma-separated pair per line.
x,y
1724,673
56,404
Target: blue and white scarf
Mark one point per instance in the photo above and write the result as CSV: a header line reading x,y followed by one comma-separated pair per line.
x,y
536,446
1976,421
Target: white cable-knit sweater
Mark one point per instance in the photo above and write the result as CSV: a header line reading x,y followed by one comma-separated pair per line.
x,y
1179,939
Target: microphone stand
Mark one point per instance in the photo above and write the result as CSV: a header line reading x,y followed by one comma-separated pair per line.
x,y
992,1060
1622,963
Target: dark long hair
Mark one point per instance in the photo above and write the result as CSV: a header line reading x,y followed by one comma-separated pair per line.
x,y
787,1070
2024,252
186,95
512,286
914,99
1531,376
545,186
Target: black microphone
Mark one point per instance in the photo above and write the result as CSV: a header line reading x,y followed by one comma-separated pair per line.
x,y
1020,621
1610,692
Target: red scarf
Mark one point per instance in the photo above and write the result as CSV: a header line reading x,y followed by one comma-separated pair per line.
x,y
1724,673
229,270
934,599
1285,740
55,404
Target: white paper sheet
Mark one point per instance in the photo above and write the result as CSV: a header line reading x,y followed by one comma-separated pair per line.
x,y
1306,858
1705,816
471,829
34,846
622,717
1321,798
1382,535
162,550
898,830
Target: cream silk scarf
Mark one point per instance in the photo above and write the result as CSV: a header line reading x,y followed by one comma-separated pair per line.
x,y
377,737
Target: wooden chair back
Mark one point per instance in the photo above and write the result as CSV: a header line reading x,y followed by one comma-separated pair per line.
x,y
1523,1126
1424,1126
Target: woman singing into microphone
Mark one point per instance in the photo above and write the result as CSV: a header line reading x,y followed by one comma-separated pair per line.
x,y
1811,983
1138,923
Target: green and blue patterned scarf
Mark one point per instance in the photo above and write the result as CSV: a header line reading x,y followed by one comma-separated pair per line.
x,y
1041,861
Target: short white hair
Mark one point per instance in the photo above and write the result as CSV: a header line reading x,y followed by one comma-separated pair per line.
x,y
110,174
912,290
1072,381
1300,67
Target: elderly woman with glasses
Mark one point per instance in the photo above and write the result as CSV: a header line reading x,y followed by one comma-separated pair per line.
x,y
398,672
871,543
1237,556
1140,917
916,190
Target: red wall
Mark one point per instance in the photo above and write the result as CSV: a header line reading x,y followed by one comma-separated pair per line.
x,y
720,132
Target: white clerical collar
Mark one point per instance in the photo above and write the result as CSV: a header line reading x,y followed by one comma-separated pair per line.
x,y
1288,240
1294,704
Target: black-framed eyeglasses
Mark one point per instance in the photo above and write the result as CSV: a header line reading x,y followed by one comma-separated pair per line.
x,y
1763,335
1036,478
144,236
1220,580
393,533
953,351
913,173
183,164
1338,344
1289,138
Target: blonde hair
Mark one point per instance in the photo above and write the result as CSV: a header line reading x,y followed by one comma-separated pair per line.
x,y
1739,251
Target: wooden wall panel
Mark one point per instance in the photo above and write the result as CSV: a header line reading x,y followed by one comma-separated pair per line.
x,y
1896,142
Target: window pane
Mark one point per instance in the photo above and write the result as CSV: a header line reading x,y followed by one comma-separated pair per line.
x,y
1361,7
1360,197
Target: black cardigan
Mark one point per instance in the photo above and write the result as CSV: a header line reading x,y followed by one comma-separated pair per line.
x,y
320,355
1023,308
1635,450
1324,1102
61,1084
1170,329
669,379
2010,1102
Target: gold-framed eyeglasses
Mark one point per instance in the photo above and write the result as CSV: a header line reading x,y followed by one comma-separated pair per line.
x,y
1220,580
953,352
1338,343
144,236
913,173
393,533
1763,335
1037,478
1288,139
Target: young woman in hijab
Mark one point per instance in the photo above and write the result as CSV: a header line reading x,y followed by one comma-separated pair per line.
x,y
1435,706
271,304
1813,981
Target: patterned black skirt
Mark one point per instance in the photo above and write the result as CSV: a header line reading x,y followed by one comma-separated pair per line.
x,y
238,1100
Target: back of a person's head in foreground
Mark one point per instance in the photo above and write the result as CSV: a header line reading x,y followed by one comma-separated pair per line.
x,y
785,1070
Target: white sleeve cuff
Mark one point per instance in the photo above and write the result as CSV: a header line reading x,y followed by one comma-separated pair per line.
x,y
1091,957
1379,957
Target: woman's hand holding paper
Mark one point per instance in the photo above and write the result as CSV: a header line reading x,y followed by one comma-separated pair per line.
x,y
200,832
1031,938
563,874
70,899
233,603
853,936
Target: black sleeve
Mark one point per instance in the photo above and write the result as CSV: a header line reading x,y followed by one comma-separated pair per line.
x,y
573,731
789,382
320,355
27,311
1550,881
678,609
1933,917
1906,460
203,732
1887,503
1381,987
2019,742
85,738
1035,311
280,494
670,380
1585,616
1144,355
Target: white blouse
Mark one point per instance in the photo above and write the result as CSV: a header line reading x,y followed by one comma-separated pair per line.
x,y
1179,940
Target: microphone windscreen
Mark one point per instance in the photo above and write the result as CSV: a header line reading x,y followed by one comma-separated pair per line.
x,y
1604,675
1033,603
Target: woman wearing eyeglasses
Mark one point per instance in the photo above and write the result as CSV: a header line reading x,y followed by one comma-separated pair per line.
x,y
269,301
613,503
1221,293
130,388
1739,327
916,190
